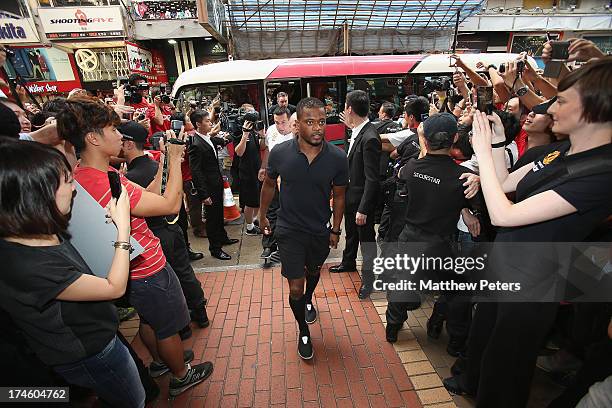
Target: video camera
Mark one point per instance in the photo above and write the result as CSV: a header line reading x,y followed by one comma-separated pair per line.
x,y
233,118
164,92
132,92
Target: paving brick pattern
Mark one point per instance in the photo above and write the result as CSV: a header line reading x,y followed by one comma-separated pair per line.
x,y
252,341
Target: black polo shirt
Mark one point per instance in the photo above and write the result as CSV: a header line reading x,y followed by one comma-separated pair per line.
x,y
142,171
435,193
306,188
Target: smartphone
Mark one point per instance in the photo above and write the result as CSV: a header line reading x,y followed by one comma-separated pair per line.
x,y
115,184
560,50
176,126
484,102
140,117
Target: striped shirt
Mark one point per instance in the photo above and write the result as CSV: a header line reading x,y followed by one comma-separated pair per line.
x,y
96,183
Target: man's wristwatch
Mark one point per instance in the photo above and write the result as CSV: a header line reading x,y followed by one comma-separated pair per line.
x,y
522,91
338,233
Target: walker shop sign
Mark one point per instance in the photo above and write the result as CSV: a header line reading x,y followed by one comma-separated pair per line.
x,y
82,22
45,70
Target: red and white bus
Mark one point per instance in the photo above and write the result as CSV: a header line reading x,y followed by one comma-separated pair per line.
x,y
385,77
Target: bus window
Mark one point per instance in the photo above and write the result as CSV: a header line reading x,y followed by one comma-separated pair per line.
x,y
291,88
231,95
380,90
328,92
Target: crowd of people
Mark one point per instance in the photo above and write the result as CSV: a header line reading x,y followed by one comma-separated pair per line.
x,y
451,170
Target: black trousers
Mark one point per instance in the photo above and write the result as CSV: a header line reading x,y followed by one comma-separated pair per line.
x,y
214,219
363,235
175,249
503,346
269,241
393,219
183,222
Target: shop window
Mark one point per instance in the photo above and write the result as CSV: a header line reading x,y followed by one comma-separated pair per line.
x,y
231,95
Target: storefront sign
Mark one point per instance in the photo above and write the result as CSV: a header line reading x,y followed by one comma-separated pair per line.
x,y
16,26
45,70
15,31
82,22
151,64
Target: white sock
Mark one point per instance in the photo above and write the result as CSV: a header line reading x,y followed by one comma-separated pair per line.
x,y
250,226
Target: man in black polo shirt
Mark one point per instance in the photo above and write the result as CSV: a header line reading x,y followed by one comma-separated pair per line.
x,y
435,199
310,168
146,172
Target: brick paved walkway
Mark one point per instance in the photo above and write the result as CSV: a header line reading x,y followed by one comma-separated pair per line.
x,y
252,343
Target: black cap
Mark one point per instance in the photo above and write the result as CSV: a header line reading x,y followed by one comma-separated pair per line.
x,y
440,130
133,131
542,109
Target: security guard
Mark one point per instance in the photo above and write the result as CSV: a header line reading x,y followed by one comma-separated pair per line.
x,y
435,198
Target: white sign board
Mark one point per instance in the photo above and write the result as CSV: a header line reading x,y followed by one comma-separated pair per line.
x,y
92,236
82,22
18,30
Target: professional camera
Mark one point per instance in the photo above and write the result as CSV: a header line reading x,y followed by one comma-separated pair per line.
x,y
164,92
132,92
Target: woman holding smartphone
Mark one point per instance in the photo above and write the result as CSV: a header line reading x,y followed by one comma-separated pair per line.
x,y
63,309
506,337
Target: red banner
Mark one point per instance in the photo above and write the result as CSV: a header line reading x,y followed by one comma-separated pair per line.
x,y
148,63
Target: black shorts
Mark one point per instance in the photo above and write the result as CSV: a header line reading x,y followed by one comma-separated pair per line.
x,y
299,249
160,302
249,192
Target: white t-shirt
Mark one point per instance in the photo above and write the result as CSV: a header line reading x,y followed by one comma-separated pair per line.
x,y
397,138
273,137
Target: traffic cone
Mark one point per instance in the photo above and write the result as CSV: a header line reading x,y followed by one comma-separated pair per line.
x,y
231,212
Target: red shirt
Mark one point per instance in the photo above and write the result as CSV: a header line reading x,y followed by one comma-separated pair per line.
x,y
166,113
521,141
152,260
144,107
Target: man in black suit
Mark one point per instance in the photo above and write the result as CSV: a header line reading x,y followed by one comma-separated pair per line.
x,y
364,152
208,182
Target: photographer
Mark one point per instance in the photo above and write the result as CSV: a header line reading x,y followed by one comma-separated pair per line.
x,y
249,150
145,113
554,203
166,109
143,170
91,128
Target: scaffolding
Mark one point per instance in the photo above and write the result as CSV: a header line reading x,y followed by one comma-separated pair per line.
x,y
289,28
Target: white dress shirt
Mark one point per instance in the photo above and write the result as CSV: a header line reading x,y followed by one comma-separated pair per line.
x,y
355,132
